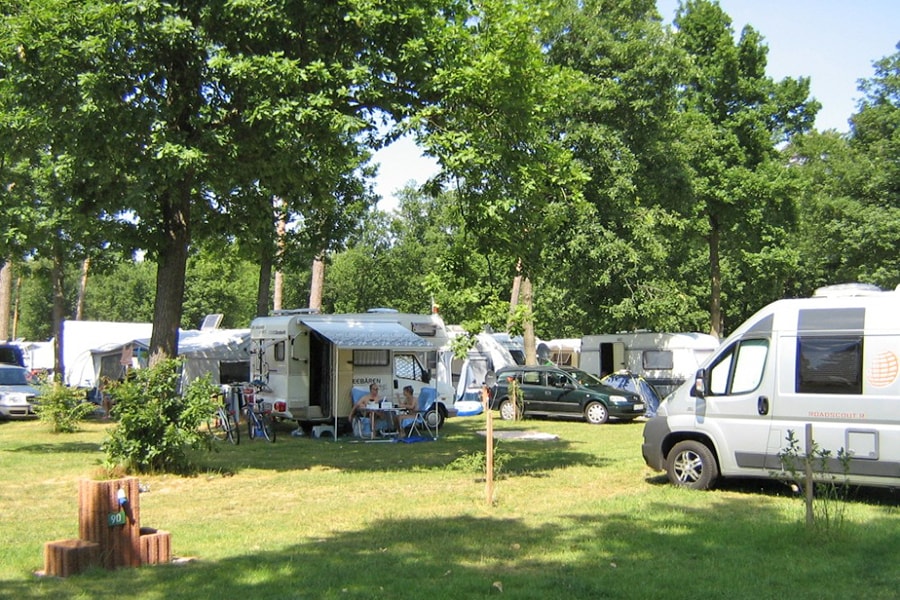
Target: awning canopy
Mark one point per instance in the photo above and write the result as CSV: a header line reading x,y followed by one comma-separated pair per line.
x,y
368,334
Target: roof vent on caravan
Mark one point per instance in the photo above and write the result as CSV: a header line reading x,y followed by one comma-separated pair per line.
x,y
382,310
846,290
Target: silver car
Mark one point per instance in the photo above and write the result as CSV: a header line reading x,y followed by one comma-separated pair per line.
x,y
17,395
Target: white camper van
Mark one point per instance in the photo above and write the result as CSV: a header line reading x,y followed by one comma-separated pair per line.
x,y
306,364
832,361
664,359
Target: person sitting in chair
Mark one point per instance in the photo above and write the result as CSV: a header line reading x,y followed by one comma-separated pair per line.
x,y
408,406
364,402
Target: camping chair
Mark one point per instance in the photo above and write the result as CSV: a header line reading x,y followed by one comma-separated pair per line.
x,y
418,424
362,425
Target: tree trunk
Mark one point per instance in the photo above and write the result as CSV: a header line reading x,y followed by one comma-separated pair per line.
x,y
528,325
265,282
317,285
514,294
59,310
170,272
715,279
278,292
5,299
82,289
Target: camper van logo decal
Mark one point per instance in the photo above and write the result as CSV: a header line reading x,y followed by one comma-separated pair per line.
x,y
884,369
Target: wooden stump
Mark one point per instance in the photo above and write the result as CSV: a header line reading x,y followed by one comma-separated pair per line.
x,y
98,521
156,546
70,557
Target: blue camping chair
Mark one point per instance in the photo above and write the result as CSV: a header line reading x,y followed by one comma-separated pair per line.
x,y
418,424
362,425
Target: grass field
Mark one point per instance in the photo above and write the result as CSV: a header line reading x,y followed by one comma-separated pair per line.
x,y
581,517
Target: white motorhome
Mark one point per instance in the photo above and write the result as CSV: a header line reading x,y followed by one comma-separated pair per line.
x,y
831,361
664,359
306,364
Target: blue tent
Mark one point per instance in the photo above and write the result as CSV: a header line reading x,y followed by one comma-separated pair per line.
x,y
628,381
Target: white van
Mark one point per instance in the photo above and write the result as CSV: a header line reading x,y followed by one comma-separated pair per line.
x,y
832,361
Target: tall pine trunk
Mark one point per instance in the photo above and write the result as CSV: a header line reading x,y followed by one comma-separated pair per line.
x,y
317,285
82,289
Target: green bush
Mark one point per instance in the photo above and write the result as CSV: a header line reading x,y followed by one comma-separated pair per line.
x,y
62,407
157,424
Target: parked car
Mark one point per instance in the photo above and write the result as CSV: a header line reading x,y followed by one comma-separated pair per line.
x,y
563,391
10,354
17,395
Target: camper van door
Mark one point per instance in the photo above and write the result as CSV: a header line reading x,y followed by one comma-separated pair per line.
x,y
739,389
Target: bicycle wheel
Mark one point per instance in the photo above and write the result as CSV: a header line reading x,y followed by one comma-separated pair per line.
x,y
268,428
252,423
217,426
233,433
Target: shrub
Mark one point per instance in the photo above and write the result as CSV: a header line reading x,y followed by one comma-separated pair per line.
x,y
157,424
62,407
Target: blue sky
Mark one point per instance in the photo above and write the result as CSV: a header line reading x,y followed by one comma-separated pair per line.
x,y
833,42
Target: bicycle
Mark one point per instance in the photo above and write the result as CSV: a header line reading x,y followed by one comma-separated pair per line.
x,y
259,420
223,425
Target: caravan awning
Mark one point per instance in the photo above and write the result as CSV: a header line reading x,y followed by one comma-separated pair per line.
x,y
368,334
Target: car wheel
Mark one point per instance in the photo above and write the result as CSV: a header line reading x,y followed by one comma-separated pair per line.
x,y
596,414
507,410
691,464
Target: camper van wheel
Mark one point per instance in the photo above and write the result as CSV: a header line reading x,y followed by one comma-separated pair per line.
x,y
507,410
596,414
691,464
435,419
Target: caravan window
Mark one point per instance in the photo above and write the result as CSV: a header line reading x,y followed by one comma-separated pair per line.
x,y
279,351
371,358
658,359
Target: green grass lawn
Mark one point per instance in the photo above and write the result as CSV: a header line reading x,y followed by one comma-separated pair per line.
x,y
581,517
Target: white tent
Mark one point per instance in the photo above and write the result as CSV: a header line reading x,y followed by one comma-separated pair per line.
x,y
80,338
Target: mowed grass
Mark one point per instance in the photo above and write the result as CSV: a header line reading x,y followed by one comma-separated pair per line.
x,y
579,517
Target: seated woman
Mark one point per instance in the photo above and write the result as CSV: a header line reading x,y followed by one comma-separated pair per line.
x,y
408,406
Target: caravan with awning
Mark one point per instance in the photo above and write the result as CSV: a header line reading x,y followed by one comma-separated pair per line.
x,y
305,365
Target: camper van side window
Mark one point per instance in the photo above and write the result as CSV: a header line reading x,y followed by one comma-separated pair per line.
x,y
829,365
279,351
739,369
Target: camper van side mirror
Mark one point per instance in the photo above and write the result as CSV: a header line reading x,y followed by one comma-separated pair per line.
x,y
699,388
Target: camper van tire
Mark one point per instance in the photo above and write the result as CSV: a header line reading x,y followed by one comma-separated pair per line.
x,y
691,464
435,418
596,414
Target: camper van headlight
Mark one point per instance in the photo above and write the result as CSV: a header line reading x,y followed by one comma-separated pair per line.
x,y
618,399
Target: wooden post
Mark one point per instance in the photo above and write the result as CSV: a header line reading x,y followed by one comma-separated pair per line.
x,y
489,447
70,557
810,486
100,520
156,546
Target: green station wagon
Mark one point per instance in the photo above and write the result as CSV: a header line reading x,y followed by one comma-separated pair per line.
x,y
563,391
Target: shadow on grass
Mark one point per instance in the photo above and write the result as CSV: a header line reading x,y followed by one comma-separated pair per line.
x,y
350,454
730,549
56,448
